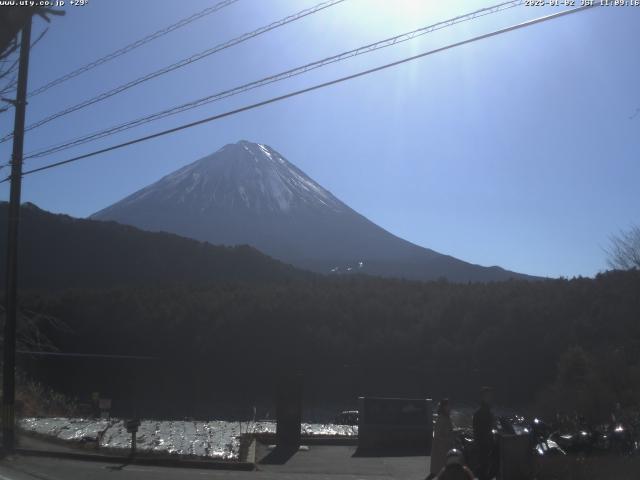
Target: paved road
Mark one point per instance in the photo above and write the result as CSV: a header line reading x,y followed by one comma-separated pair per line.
x,y
319,462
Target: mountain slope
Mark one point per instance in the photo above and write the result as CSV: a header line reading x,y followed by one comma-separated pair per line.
x,y
249,193
58,251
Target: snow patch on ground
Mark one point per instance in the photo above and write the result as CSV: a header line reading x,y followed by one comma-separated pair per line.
x,y
215,439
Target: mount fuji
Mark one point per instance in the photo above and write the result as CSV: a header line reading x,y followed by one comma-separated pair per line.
x,y
247,193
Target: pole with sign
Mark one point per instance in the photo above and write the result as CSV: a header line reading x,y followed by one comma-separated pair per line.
x,y
132,428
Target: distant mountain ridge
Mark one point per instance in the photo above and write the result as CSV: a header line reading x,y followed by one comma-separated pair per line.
x,y
248,193
57,251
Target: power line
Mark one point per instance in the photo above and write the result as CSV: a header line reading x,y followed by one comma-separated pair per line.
x,y
13,82
132,46
273,78
308,89
185,61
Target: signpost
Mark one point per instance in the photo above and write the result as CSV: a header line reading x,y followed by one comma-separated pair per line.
x,y
95,404
132,428
104,404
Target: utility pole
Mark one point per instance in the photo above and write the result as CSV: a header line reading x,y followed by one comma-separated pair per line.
x,y
8,367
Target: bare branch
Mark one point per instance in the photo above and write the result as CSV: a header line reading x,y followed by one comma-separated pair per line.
x,y
624,250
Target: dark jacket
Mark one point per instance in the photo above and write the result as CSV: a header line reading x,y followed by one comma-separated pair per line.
x,y
483,422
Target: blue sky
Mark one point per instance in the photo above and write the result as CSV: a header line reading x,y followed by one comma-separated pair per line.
x,y
516,151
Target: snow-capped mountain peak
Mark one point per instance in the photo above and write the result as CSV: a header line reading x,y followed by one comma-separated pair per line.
x,y
243,175
247,193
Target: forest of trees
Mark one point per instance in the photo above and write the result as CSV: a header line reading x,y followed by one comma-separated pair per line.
x,y
556,344
59,251
217,326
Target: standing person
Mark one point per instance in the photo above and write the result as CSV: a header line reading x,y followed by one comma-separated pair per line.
x,y
483,423
443,438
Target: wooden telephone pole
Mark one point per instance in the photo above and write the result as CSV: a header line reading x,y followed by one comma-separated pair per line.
x,y
8,367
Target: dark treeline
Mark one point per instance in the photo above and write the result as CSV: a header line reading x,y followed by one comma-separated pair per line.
x,y
566,344
59,251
